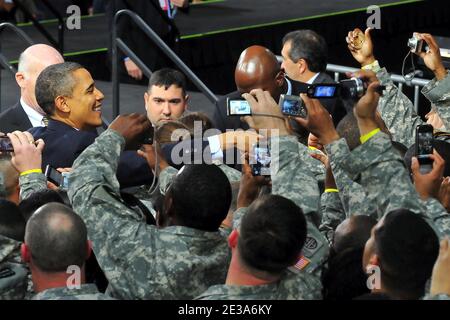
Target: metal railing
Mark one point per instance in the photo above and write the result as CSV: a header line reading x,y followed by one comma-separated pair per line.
x,y
3,60
408,80
117,43
57,44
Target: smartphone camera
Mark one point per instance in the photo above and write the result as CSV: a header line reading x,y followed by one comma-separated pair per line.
x,y
292,106
261,160
238,107
424,147
5,144
415,44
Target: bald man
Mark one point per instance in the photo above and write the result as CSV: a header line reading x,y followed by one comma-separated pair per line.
x,y
27,113
257,68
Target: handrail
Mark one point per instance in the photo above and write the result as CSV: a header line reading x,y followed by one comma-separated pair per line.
x,y
57,44
3,60
118,43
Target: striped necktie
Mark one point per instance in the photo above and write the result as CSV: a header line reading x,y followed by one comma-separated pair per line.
x,y
45,120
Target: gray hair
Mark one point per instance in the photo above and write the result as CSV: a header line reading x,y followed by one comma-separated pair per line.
x,y
55,80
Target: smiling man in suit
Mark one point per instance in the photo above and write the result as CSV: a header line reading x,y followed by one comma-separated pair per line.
x,y
27,113
305,55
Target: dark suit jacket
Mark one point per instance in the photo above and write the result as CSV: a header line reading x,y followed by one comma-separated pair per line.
x,y
13,119
63,144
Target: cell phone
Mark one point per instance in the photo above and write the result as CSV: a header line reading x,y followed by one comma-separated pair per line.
x,y
323,91
238,107
53,175
424,147
292,106
261,160
147,137
5,144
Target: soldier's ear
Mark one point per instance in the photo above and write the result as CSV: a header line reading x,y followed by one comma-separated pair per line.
x,y
25,253
88,249
374,260
233,239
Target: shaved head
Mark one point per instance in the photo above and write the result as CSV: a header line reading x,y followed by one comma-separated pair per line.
x,y
31,63
258,68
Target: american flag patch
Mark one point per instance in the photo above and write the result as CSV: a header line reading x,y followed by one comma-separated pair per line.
x,y
302,263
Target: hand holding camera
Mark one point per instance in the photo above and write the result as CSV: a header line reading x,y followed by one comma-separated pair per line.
x,y
428,184
361,46
27,153
432,57
266,114
318,121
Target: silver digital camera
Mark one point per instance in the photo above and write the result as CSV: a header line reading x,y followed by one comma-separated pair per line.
x,y
415,44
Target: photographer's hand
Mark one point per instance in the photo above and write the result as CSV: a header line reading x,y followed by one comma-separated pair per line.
x,y
249,186
364,54
131,127
428,185
27,155
432,58
261,102
318,121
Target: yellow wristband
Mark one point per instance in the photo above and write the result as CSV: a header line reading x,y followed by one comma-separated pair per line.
x,y
374,66
30,171
369,135
329,190
312,148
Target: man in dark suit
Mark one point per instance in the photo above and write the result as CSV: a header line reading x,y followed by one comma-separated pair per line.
x,y
26,113
305,60
159,18
67,94
257,68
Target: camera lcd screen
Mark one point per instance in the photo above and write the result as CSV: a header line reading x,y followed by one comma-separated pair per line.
x,y
262,159
425,143
324,91
239,107
5,145
293,107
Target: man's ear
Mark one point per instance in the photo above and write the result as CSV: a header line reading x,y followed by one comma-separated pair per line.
x,y
302,66
146,96
88,249
25,253
61,104
374,260
279,79
233,239
20,79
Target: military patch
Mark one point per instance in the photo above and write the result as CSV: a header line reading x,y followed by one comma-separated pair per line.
x,y
312,245
302,263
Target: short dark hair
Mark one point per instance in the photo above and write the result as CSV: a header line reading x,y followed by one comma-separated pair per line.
x,y
272,234
12,224
189,120
348,129
357,237
442,147
308,45
406,258
36,200
201,196
54,248
343,278
167,77
10,176
55,80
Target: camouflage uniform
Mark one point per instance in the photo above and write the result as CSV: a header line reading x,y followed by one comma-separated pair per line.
x,y
139,260
31,183
13,274
292,179
302,286
438,93
441,296
85,292
385,179
397,111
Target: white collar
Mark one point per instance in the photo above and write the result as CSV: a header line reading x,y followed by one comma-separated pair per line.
x,y
34,116
289,88
310,81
